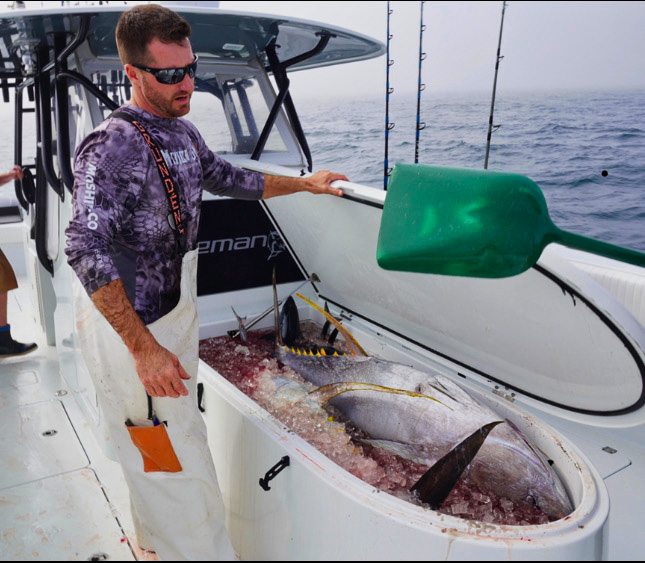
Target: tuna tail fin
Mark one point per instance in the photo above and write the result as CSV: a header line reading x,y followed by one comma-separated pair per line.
x,y
437,483
354,346
241,328
276,314
289,322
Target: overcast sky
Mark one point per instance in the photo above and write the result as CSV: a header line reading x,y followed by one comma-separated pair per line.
x,y
545,45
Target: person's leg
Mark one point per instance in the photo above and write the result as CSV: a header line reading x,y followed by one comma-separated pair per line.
x,y
8,346
3,309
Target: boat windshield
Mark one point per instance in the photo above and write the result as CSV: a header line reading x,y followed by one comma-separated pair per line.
x,y
228,107
234,127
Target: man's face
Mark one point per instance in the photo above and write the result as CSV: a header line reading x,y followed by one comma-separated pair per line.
x,y
167,100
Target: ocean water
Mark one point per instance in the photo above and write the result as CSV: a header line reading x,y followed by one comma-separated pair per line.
x,y
586,150
563,141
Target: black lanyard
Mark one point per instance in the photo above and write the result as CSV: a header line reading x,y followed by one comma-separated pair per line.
x,y
164,173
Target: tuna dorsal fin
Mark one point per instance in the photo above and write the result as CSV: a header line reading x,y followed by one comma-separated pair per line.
x,y
436,483
354,346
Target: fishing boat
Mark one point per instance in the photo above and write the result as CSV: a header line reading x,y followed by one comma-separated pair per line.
x,y
558,349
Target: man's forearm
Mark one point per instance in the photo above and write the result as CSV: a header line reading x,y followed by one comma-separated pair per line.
x,y
158,369
113,303
282,185
4,178
319,183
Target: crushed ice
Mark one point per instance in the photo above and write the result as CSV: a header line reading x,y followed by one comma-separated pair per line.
x,y
283,393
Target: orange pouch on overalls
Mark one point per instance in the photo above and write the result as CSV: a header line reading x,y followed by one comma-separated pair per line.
x,y
154,444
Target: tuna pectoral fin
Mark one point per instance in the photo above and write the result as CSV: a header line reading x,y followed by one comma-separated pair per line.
x,y
436,484
326,393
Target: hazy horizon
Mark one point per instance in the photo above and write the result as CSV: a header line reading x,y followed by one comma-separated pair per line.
x,y
545,45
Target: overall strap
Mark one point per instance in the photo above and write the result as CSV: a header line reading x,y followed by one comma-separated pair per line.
x,y
164,173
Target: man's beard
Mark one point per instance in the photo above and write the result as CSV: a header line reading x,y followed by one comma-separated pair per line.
x,y
165,106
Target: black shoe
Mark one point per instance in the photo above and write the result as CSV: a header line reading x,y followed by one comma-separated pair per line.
x,y
10,347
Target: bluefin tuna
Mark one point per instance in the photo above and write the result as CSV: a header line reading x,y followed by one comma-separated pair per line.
x,y
422,416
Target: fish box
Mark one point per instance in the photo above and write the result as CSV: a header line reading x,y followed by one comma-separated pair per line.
x,y
314,509
527,333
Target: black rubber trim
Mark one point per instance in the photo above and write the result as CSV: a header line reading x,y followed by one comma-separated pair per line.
x,y
363,201
565,289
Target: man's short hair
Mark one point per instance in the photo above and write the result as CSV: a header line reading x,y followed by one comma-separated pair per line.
x,y
141,24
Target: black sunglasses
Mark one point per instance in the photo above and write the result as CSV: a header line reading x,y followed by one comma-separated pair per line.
x,y
171,75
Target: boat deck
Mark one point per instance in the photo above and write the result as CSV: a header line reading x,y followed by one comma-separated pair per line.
x,y
61,498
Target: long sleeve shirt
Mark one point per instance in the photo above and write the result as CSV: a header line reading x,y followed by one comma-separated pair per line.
x,y
122,224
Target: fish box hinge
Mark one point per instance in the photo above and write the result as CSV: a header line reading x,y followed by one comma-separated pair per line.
x,y
273,472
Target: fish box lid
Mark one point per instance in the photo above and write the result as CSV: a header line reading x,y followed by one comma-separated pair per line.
x,y
552,332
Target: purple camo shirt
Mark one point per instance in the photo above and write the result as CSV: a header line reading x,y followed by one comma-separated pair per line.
x,y
120,226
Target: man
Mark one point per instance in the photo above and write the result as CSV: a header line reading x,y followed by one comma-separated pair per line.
x,y
8,346
139,332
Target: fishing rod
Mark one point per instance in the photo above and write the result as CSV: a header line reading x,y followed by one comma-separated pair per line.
x,y
420,87
492,104
388,126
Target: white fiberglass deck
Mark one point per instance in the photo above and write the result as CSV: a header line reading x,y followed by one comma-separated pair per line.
x,y
60,497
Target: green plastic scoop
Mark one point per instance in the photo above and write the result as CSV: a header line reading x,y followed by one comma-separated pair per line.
x,y
466,222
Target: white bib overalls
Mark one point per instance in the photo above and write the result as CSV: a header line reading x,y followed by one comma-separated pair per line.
x,y
178,515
